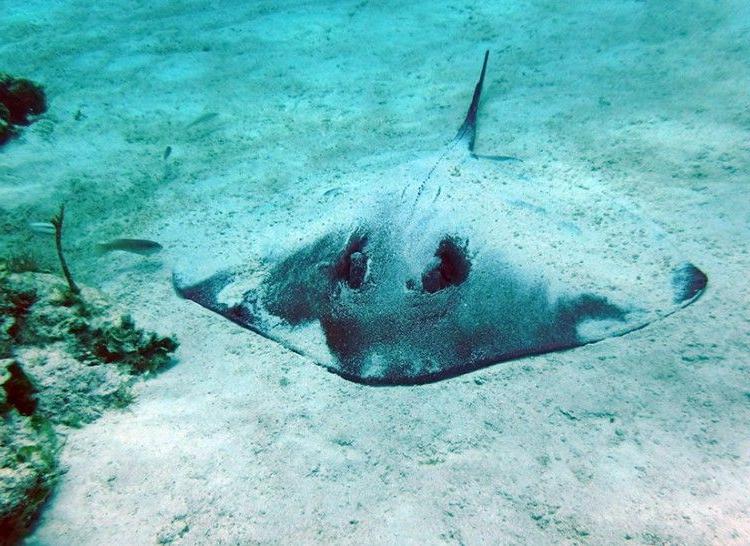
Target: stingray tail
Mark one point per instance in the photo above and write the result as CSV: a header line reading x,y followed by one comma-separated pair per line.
x,y
468,131
465,136
100,249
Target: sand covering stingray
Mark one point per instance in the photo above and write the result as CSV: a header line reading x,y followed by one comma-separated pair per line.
x,y
441,266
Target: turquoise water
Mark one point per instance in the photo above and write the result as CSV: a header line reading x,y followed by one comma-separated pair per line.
x,y
215,129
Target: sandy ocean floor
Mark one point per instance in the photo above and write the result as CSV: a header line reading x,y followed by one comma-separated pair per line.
x,y
634,440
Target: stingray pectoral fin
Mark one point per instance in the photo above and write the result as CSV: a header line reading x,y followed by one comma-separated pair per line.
x,y
688,283
206,293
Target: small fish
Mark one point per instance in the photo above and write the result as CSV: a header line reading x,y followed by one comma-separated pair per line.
x,y
42,227
202,119
136,246
167,152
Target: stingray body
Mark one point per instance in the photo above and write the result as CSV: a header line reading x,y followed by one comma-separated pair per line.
x,y
464,262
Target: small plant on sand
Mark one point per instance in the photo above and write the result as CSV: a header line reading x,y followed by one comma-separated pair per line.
x,y
57,221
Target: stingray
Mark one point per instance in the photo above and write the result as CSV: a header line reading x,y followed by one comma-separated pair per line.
x,y
440,266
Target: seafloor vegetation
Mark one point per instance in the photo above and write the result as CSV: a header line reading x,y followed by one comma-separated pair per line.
x,y
65,358
19,99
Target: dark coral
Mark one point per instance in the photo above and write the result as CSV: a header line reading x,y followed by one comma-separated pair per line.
x,y
22,98
7,131
19,99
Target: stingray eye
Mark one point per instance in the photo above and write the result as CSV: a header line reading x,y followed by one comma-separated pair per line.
x,y
357,269
449,267
352,264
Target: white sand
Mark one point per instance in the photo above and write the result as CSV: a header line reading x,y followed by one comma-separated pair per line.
x,y
639,440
